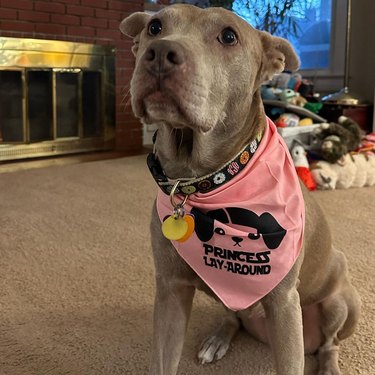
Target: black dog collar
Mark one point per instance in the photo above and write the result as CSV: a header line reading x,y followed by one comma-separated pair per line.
x,y
208,182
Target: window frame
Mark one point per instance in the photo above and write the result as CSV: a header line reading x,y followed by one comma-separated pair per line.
x,y
331,79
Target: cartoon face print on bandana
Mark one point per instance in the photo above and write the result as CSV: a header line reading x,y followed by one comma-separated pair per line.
x,y
266,226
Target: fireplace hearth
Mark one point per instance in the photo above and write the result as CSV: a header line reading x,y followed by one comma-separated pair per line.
x,y
55,98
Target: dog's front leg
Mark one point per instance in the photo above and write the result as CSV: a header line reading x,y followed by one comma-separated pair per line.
x,y
284,324
172,308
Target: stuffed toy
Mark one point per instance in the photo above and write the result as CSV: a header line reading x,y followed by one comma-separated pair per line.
x,y
365,170
292,97
270,93
356,170
290,120
287,120
336,140
368,144
298,100
307,121
302,166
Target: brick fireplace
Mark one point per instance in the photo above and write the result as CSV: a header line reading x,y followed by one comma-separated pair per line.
x,y
94,22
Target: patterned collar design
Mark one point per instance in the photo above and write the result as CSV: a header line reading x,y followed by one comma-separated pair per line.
x,y
208,182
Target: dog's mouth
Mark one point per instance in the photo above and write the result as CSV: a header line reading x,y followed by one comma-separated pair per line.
x,y
161,107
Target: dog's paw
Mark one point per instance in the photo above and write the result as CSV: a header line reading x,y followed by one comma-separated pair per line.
x,y
213,349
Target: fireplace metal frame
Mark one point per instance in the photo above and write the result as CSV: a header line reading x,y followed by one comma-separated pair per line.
x,y
21,54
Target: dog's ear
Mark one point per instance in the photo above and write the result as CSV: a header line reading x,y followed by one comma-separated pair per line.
x,y
272,232
278,55
204,225
133,25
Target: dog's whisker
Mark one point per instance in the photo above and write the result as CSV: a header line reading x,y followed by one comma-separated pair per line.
x,y
127,94
181,140
125,88
173,130
213,94
125,100
127,103
225,126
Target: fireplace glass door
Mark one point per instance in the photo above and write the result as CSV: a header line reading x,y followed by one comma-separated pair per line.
x,y
39,105
67,104
11,116
50,104
92,104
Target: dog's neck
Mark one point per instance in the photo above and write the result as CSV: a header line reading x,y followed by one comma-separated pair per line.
x,y
184,153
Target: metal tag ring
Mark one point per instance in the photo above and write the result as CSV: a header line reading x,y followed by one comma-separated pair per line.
x,y
171,196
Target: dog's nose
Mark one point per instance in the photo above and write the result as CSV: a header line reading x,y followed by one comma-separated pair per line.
x,y
237,241
162,57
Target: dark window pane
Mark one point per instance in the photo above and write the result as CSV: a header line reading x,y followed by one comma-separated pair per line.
x,y
67,104
91,104
40,104
306,24
11,129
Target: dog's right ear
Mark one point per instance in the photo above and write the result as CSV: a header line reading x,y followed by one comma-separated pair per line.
x,y
133,25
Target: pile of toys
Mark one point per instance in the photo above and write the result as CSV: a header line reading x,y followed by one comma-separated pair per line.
x,y
332,155
290,100
336,157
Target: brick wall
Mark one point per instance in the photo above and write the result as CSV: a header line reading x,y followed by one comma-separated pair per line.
x,y
84,21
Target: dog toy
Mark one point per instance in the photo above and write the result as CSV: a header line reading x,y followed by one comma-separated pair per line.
x,y
314,107
270,93
302,166
286,120
356,170
368,144
292,97
307,121
337,139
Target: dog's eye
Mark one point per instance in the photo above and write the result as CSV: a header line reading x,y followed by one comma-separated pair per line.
x,y
220,231
154,28
254,236
228,37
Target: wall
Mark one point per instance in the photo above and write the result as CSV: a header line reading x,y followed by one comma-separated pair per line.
x,y
85,21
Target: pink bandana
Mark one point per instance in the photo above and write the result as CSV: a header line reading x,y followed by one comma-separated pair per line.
x,y
249,231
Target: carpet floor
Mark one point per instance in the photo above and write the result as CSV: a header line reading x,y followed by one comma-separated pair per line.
x,y
77,281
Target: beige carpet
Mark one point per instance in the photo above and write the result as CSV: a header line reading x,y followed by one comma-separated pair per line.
x,y
76,275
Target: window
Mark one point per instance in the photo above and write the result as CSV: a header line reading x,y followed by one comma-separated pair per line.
x,y
322,58
305,23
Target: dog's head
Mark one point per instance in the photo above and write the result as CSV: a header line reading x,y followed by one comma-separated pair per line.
x,y
197,67
265,225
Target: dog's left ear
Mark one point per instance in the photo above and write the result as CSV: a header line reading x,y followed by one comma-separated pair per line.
x,y
133,25
278,55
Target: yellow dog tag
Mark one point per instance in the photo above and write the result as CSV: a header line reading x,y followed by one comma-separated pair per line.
x,y
178,228
174,228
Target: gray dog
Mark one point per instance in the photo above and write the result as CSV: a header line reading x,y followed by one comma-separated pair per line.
x,y
197,77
